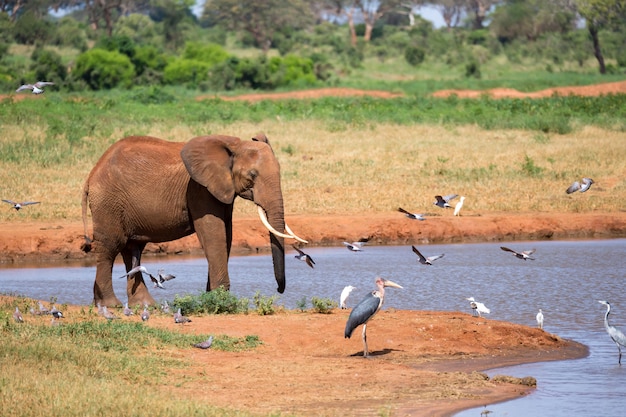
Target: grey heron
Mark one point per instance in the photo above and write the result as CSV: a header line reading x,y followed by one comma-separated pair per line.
x,y
17,206
539,318
457,207
344,295
17,316
426,260
36,88
304,257
444,201
478,308
412,216
366,309
616,334
180,319
525,255
576,186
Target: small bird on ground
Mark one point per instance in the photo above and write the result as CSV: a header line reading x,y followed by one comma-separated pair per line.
x,y
206,344
478,308
107,314
577,186
145,314
165,277
180,319
37,88
127,310
56,312
539,318
17,206
457,207
521,255
301,256
43,310
426,260
165,307
444,202
344,295
412,216
17,316
136,269
616,334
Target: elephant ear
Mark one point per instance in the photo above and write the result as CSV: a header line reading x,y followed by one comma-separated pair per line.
x,y
209,161
261,137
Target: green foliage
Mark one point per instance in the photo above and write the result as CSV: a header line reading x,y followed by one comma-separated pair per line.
x,y
530,169
47,65
210,53
264,305
103,70
70,32
472,69
189,72
414,55
301,303
29,29
323,305
217,301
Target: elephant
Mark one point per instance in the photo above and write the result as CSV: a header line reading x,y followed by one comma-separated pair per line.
x,y
145,189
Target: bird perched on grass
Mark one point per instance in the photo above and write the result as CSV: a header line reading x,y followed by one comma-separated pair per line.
x,y
37,88
17,316
539,318
127,310
301,256
478,308
165,307
206,344
43,310
616,334
344,295
426,260
525,255
18,206
444,201
582,186
366,309
412,216
145,314
457,207
180,319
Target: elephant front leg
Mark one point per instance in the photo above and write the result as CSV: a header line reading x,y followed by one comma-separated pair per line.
x,y
103,286
136,289
215,237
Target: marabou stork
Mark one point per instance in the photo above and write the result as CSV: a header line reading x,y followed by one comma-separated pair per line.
x,y
366,309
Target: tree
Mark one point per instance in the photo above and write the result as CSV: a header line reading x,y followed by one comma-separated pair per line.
x,y
451,11
259,18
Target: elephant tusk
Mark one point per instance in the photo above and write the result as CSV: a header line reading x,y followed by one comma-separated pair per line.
x,y
288,230
269,227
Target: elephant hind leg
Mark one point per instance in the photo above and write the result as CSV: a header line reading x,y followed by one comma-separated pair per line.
x,y
136,289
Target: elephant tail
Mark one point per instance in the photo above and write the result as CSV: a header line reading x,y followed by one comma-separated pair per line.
x,y
86,245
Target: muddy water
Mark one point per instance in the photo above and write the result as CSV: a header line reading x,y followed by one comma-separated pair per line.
x,y
565,281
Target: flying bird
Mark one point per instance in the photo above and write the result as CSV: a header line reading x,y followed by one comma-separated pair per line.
x,y
444,202
165,277
127,310
157,282
206,344
616,334
366,309
179,318
344,295
17,316
136,269
457,207
522,255
412,216
107,314
301,256
355,246
478,308
37,88
17,206
145,314
426,260
577,186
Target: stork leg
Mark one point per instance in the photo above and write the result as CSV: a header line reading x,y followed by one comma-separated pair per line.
x,y
365,352
619,349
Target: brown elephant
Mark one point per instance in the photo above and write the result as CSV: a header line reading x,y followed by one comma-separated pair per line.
x,y
144,189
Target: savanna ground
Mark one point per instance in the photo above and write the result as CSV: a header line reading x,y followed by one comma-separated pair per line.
x,y
423,363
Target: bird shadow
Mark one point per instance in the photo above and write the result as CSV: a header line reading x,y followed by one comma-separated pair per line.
x,y
377,352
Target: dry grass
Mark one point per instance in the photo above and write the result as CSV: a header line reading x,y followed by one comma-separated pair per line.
x,y
330,168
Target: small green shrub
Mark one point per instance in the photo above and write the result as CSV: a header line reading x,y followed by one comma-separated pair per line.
x,y
472,69
530,169
301,304
186,71
414,55
264,305
323,305
217,301
103,70
47,65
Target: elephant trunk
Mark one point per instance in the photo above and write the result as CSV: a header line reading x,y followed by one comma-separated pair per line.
x,y
276,217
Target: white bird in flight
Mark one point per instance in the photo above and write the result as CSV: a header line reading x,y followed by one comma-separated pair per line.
x,y
344,295
576,186
354,246
521,255
412,216
444,202
426,260
457,207
37,88
17,206
136,269
477,307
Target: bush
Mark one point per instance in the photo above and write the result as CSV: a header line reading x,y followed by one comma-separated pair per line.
x,y
323,305
30,30
218,301
414,55
71,33
47,65
148,57
472,69
189,72
264,305
102,69
210,53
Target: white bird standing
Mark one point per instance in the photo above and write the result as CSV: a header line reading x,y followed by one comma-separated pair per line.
x,y
457,207
304,257
366,309
616,334
477,307
444,202
426,260
344,295
17,206
412,216
539,318
37,88
576,186
521,255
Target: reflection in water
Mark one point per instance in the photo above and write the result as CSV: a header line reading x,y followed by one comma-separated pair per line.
x,y
565,281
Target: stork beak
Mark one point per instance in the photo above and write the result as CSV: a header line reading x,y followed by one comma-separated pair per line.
x,y
388,283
